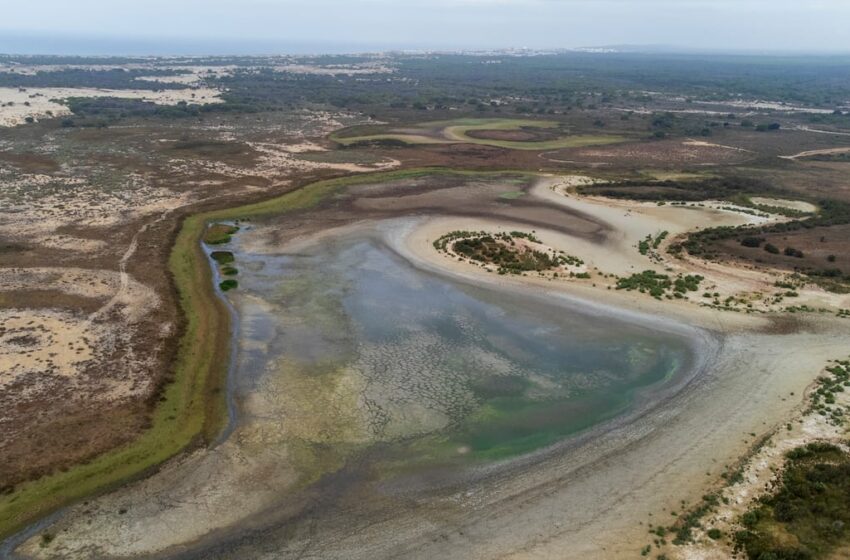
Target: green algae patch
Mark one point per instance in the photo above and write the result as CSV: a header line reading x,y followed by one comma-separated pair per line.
x,y
324,423
222,257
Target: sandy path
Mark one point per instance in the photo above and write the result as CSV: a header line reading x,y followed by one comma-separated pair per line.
x,y
120,295
825,151
818,131
703,143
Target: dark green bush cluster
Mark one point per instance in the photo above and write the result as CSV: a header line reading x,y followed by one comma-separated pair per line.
x,y
657,285
712,188
115,108
823,398
688,283
647,281
222,257
643,245
500,249
807,514
107,78
443,241
523,235
691,520
488,249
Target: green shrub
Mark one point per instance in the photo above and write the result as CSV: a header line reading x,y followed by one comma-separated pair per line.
x,y
807,514
750,241
222,257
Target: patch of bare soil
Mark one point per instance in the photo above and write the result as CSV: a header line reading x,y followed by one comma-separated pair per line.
x,y
19,104
662,153
819,249
63,370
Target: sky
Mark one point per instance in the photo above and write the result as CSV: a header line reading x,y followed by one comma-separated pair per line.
x,y
277,26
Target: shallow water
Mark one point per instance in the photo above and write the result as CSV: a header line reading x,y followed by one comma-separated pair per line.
x,y
359,379
443,372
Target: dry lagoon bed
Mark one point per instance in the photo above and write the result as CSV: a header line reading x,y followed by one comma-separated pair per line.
x,y
587,497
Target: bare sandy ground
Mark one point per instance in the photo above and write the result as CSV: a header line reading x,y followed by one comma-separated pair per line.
x,y
39,344
763,104
16,104
591,498
632,221
37,207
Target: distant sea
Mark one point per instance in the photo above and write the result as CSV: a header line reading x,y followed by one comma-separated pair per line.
x,y
54,44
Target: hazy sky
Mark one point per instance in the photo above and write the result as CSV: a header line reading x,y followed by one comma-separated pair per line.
x,y
222,26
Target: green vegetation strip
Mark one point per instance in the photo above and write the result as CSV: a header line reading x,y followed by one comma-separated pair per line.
x,y
193,408
189,412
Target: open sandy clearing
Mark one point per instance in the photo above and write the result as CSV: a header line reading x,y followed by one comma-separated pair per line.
x,y
34,341
16,104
